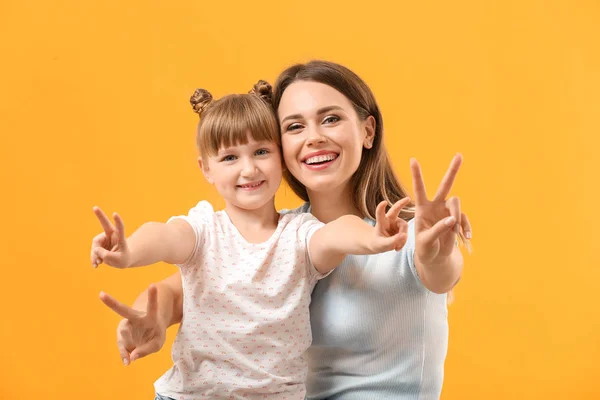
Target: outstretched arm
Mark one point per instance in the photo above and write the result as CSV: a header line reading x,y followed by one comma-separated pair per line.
x,y
351,235
151,243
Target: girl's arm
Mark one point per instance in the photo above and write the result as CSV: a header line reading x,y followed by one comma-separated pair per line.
x,y
349,234
151,243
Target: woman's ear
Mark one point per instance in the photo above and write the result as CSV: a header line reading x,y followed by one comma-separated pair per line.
x,y
205,170
369,126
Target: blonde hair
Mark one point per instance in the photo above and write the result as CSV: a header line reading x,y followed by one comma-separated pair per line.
x,y
232,119
374,181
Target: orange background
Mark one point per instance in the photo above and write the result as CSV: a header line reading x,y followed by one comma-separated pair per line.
x,y
94,111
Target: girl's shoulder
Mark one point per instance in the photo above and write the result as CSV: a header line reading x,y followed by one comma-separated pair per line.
x,y
201,213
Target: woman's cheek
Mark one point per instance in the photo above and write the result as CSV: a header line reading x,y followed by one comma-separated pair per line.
x,y
289,154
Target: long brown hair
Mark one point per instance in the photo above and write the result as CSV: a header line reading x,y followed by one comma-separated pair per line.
x,y
374,180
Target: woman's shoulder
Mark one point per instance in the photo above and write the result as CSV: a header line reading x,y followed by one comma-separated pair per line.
x,y
304,208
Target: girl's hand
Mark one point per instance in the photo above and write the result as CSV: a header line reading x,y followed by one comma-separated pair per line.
x,y
390,229
110,246
139,333
437,221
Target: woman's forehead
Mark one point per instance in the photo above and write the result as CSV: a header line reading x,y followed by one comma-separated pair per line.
x,y
306,96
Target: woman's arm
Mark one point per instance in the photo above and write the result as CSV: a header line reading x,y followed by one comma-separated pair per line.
x,y
438,222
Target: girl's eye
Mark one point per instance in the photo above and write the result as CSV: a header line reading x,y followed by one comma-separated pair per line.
x,y
228,158
331,119
261,152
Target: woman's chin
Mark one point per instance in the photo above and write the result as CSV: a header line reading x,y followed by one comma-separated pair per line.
x,y
324,184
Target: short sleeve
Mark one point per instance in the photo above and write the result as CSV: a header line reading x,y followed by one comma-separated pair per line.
x,y
308,225
408,256
199,218
304,208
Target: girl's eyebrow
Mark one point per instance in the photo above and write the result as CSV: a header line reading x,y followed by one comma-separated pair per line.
x,y
319,111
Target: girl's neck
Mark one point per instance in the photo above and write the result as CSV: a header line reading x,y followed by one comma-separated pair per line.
x,y
329,205
257,225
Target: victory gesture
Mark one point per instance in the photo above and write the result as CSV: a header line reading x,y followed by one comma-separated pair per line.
x,y
139,333
439,220
110,246
390,229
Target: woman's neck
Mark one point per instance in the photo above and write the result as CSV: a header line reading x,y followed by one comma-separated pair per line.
x,y
329,205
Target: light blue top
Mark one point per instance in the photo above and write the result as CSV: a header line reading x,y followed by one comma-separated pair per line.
x,y
378,333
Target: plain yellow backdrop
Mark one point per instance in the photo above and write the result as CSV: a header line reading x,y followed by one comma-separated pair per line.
x,y
94,111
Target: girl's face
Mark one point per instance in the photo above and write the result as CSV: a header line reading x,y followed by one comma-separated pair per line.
x,y
322,136
245,175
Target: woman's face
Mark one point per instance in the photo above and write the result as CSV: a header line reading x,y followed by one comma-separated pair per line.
x,y
322,136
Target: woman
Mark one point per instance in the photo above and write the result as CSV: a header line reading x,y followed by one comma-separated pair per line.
x,y
379,322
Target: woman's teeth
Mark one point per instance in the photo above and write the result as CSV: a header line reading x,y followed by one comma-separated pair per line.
x,y
320,159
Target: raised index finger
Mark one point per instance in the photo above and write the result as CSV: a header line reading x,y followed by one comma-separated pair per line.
x,y
448,180
395,210
118,307
418,184
152,306
104,221
120,226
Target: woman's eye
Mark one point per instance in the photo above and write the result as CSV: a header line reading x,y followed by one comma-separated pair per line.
x,y
331,119
293,127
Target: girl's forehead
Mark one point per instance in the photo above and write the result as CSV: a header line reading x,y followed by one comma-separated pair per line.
x,y
248,143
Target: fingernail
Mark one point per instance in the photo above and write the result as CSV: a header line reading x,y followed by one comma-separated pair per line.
x,y
125,361
95,265
468,235
450,221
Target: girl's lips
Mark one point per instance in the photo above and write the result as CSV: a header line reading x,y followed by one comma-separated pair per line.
x,y
251,186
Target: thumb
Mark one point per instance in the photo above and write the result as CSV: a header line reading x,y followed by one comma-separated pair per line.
x,y
392,242
111,258
100,253
441,227
145,349
400,240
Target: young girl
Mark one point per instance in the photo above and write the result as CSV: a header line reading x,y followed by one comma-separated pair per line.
x,y
247,271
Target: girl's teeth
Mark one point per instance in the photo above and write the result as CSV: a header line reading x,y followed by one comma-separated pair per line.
x,y
319,159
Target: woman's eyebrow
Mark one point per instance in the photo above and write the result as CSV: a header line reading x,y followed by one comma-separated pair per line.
x,y
319,111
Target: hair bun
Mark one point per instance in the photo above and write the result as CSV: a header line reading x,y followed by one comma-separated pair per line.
x,y
264,90
200,100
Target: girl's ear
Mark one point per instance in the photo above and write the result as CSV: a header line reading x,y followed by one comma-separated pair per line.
x,y
205,170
